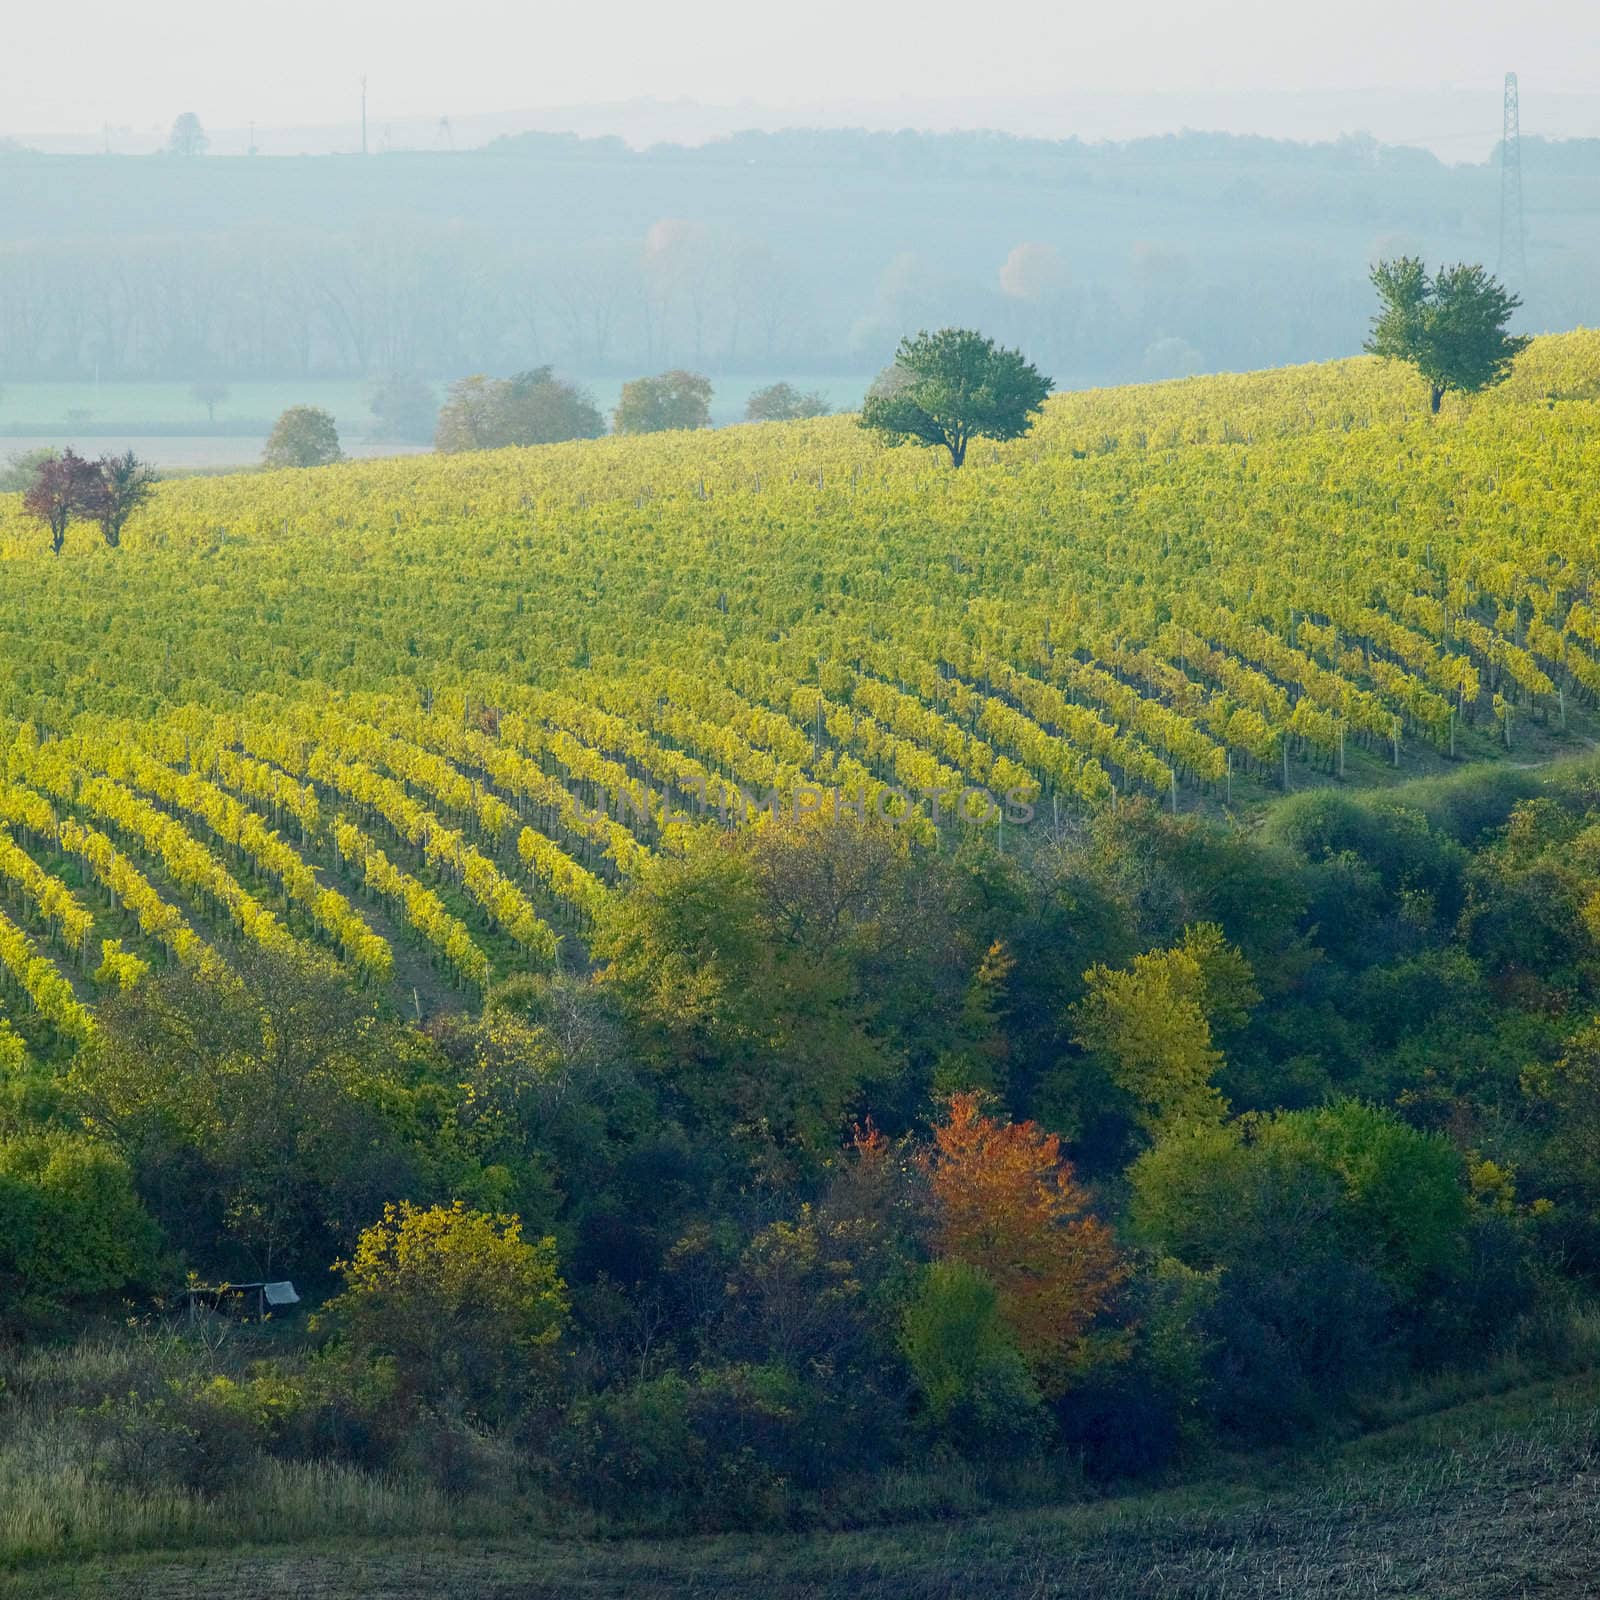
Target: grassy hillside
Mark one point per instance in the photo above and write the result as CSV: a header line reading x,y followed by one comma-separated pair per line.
x,y
429,712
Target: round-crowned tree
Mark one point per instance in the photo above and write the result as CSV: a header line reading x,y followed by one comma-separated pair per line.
x,y
782,402
304,436
675,399
1451,326
948,388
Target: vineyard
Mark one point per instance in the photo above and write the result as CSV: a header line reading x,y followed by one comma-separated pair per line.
x,y
428,714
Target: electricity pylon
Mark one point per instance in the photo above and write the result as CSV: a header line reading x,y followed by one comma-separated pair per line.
x,y
1513,264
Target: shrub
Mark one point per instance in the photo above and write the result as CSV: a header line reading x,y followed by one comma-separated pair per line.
x,y
71,1226
191,1437
1395,842
1353,1175
1120,1421
458,1300
1296,1321
1128,1418
1327,1232
725,1446
1404,1202
1293,1339
976,1388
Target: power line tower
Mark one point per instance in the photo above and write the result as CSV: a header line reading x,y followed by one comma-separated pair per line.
x,y
1513,264
444,139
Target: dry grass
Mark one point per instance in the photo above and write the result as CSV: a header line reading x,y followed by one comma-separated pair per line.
x,y
1491,1500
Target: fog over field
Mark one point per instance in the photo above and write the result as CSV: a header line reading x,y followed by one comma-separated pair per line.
x,y
800,253
809,64
617,195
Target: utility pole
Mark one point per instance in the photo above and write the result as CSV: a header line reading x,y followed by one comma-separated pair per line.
x,y
363,113
1513,264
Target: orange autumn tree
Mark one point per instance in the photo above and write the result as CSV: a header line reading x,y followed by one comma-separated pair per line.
x,y
1007,1204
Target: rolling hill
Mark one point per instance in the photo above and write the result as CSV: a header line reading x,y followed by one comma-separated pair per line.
x,y
428,713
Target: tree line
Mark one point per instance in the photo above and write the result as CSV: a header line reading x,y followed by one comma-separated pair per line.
x,y
277,269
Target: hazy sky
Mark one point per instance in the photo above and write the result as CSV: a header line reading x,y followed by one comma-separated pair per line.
x,y
298,61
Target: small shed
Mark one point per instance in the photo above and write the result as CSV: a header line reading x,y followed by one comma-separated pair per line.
x,y
237,1298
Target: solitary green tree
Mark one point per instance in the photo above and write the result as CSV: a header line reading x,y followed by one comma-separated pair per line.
x,y
1451,327
954,386
675,399
540,408
211,393
304,436
470,418
187,138
782,402
534,407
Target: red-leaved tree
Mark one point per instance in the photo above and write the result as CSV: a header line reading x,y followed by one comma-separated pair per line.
x,y
1006,1203
62,489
